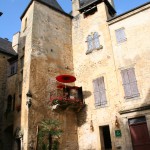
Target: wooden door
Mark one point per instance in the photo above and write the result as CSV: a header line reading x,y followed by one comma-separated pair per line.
x,y
140,136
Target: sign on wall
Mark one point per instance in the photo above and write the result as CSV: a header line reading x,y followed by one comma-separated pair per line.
x,y
118,133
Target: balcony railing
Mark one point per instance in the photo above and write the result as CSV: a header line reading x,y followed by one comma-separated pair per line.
x,y
67,98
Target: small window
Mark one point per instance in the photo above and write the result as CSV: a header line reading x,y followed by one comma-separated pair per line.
x,y
13,69
99,92
120,35
25,24
20,87
93,42
9,104
130,83
21,62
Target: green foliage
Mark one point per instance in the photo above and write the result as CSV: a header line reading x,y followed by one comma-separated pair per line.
x,y
46,128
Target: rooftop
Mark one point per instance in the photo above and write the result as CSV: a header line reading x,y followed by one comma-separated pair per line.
x,y
6,47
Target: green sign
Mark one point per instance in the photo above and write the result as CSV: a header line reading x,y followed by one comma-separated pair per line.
x,y
118,133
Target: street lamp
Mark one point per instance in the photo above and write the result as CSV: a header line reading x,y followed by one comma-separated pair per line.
x,y
1,13
29,99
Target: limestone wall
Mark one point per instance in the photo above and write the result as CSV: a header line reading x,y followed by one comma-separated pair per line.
x,y
24,52
89,67
134,52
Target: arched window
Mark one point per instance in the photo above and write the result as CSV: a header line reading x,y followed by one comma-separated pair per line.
x,y
96,40
9,103
90,43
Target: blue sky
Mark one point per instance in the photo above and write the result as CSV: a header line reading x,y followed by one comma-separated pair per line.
x,y
12,10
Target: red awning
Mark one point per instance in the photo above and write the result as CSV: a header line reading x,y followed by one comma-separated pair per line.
x,y
65,78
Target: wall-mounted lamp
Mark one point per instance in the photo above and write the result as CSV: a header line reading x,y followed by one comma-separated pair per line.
x,y
1,13
91,126
29,99
117,123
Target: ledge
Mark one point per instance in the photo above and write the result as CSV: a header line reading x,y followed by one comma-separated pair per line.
x,y
134,110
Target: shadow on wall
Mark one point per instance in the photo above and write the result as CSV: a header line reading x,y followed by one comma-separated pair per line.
x,y
82,114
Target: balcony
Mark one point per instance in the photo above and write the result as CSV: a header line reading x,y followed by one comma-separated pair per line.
x,y
68,97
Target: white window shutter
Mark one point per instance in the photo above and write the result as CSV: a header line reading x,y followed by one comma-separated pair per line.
x,y
96,40
90,43
126,83
96,92
102,91
133,82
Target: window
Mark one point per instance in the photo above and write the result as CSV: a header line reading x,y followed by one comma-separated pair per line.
x,y
99,92
20,87
21,62
93,42
129,83
13,68
25,24
9,103
120,35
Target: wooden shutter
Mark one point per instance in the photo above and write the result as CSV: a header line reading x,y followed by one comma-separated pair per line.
x,y
90,43
129,83
133,83
96,40
99,91
96,92
80,94
126,83
120,35
102,91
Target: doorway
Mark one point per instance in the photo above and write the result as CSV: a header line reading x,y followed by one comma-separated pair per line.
x,y
139,133
105,138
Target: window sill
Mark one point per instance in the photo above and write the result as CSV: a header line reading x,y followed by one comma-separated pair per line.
x,y
101,106
132,98
12,75
122,41
90,51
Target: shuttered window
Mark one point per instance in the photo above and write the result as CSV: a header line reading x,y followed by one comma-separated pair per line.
x,y
93,42
99,92
130,83
120,35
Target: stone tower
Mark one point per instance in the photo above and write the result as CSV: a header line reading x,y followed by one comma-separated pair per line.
x,y
93,58
46,50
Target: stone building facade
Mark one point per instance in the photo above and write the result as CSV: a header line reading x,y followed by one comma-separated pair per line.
x,y
108,55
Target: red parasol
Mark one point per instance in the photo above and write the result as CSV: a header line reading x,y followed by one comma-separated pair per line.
x,y
65,78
